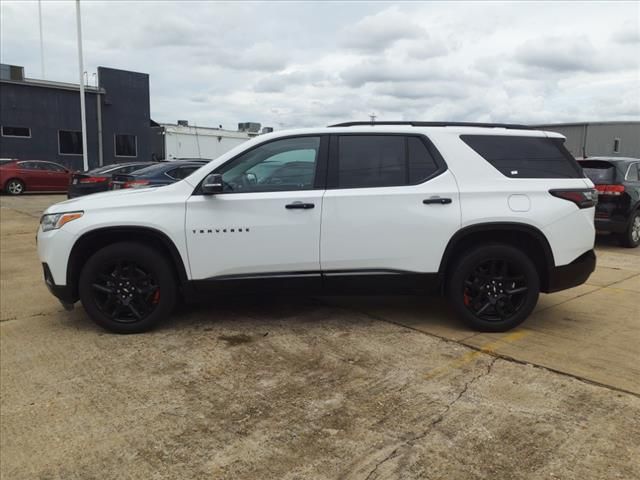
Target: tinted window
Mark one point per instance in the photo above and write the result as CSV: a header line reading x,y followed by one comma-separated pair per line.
x,y
633,174
127,169
599,172
181,172
371,161
126,145
421,163
151,170
186,171
173,173
28,165
52,167
525,157
15,131
70,142
282,165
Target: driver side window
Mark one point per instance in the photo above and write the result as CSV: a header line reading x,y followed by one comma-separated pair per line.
x,y
281,165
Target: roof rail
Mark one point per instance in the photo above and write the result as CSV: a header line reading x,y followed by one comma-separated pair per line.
x,y
438,124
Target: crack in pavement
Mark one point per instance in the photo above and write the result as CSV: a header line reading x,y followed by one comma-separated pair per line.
x,y
493,352
439,418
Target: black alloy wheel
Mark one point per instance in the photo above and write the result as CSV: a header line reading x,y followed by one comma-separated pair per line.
x,y
495,290
128,287
125,291
493,287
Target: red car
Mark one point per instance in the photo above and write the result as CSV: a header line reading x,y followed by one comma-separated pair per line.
x,y
19,176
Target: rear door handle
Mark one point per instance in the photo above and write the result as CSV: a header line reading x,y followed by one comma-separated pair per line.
x,y
437,201
300,205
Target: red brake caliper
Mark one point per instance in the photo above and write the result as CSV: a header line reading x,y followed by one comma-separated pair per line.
x,y
466,298
156,297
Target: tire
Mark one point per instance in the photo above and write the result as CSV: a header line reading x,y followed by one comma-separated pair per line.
x,y
14,187
128,288
631,238
477,287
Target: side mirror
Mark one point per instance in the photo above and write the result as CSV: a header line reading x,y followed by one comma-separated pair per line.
x,y
212,184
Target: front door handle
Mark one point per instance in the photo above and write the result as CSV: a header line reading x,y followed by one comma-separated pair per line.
x,y
437,201
300,205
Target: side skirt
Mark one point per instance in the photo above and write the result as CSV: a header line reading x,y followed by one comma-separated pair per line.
x,y
341,282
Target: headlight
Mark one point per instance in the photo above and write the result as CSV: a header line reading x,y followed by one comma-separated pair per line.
x,y
54,221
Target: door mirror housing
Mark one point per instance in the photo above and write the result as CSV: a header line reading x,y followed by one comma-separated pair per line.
x,y
212,184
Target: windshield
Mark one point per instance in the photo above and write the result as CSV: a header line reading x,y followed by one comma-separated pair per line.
x,y
599,172
103,169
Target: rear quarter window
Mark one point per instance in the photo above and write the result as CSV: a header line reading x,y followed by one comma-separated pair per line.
x,y
525,157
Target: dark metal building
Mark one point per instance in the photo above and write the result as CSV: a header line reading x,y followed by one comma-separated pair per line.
x,y
593,139
40,119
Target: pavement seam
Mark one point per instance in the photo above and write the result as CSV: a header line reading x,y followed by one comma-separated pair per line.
x,y
499,355
439,418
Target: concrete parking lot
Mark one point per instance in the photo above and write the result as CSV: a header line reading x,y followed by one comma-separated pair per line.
x,y
300,388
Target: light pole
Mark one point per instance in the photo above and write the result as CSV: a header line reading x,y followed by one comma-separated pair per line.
x,y
83,113
41,40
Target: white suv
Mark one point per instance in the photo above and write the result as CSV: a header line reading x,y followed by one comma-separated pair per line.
x,y
488,214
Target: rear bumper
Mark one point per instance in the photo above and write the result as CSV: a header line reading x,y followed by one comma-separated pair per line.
x,y
62,292
573,274
615,225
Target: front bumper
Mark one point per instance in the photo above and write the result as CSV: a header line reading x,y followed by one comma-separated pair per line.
x,y
573,274
61,292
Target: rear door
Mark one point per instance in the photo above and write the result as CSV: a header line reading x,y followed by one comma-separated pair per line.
x,y
390,208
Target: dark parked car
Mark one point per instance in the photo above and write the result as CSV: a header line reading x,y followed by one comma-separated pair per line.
x,y
617,180
97,180
157,175
19,176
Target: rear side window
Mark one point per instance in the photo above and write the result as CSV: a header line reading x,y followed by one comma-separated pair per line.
x,y
525,157
633,175
366,161
371,161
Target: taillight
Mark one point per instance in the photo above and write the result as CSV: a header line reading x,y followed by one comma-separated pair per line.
x,y
582,197
94,179
610,189
135,183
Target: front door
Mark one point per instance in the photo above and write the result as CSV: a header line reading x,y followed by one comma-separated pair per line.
x,y
390,208
57,177
266,223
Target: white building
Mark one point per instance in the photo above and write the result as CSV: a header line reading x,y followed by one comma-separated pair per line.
x,y
182,140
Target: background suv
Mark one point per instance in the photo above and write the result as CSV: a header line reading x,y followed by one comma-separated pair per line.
x,y
490,215
618,183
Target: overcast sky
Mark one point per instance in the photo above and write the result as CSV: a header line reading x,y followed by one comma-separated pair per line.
x,y
310,64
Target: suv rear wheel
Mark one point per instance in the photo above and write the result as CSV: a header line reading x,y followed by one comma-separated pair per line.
x,y
493,287
127,287
631,238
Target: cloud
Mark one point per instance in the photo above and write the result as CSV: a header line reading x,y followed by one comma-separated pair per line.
x,y
289,64
561,54
258,57
381,30
628,34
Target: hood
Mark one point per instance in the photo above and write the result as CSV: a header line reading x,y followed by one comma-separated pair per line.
x,y
110,198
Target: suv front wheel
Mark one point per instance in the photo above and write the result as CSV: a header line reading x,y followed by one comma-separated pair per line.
x,y
127,287
493,287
